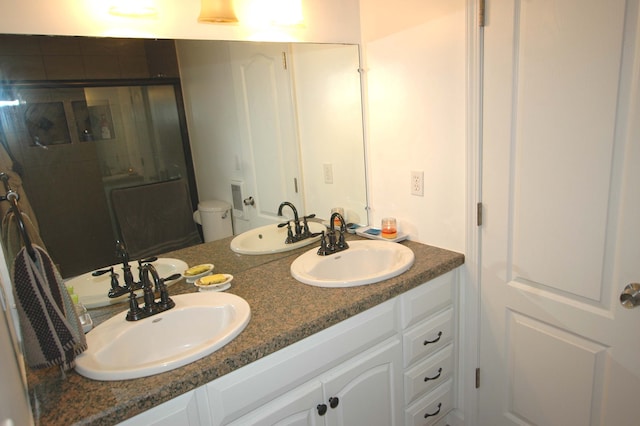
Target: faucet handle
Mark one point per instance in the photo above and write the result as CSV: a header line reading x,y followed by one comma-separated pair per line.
x,y
342,244
290,238
134,312
148,260
116,290
306,233
172,277
323,250
101,272
165,302
121,251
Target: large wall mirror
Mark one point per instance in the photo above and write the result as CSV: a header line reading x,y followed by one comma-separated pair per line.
x,y
284,121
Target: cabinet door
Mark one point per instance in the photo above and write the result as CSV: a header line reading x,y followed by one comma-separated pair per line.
x,y
188,409
295,408
367,389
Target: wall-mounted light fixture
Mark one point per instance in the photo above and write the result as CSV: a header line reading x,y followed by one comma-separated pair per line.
x,y
252,13
133,8
217,11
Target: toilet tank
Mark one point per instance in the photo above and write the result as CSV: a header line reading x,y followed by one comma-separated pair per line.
x,y
215,218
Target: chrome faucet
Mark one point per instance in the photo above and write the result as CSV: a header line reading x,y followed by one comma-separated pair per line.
x,y
329,244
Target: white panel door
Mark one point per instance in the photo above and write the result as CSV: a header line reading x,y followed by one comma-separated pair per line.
x,y
294,408
561,196
367,389
271,159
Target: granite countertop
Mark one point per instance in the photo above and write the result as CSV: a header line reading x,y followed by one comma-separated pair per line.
x,y
276,322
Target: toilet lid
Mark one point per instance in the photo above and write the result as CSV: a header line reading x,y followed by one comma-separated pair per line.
x,y
213,206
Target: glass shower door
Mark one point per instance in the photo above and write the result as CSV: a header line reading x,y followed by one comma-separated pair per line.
x,y
76,143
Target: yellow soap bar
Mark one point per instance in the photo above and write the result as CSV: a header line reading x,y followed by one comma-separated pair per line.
x,y
213,279
195,270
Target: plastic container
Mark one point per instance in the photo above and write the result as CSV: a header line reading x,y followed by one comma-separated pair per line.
x,y
81,312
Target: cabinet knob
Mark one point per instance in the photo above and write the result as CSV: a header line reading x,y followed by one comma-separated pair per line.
x,y
434,413
334,401
322,409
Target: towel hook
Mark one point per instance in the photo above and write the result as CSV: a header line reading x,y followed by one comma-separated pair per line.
x,y
12,197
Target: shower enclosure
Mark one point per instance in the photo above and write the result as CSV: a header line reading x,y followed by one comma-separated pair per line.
x,y
73,143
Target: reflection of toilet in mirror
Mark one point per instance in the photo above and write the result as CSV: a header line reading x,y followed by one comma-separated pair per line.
x,y
215,218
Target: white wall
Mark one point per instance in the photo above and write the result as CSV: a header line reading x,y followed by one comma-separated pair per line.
x,y
329,110
414,57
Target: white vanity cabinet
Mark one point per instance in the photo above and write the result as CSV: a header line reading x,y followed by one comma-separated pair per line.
x,y
357,361
429,353
361,391
390,366
189,409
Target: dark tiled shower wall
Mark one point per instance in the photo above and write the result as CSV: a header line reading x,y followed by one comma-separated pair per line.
x,y
24,57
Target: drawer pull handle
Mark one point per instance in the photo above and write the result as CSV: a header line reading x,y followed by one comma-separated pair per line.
x,y
436,413
322,409
426,342
426,379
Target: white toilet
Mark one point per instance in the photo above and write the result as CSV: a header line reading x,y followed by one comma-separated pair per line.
x,y
215,218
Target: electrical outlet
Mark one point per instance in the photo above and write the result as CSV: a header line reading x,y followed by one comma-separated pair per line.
x,y
417,183
328,172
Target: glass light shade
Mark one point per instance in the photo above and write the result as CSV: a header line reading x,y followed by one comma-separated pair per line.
x,y
217,11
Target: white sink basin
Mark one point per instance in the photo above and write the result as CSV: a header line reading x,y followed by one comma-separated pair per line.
x,y
364,262
92,291
271,239
198,325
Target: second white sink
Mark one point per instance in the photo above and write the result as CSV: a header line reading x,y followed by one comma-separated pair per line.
x,y
270,239
364,262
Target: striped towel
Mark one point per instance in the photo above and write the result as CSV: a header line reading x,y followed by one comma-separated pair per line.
x,y
51,331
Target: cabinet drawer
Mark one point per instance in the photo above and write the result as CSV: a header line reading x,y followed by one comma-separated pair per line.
x,y
427,299
428,337
433,407
428,374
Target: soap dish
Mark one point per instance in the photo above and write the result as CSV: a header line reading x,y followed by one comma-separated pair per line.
x,y
224,285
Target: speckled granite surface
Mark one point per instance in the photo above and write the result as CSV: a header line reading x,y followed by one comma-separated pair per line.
x,y
283,311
